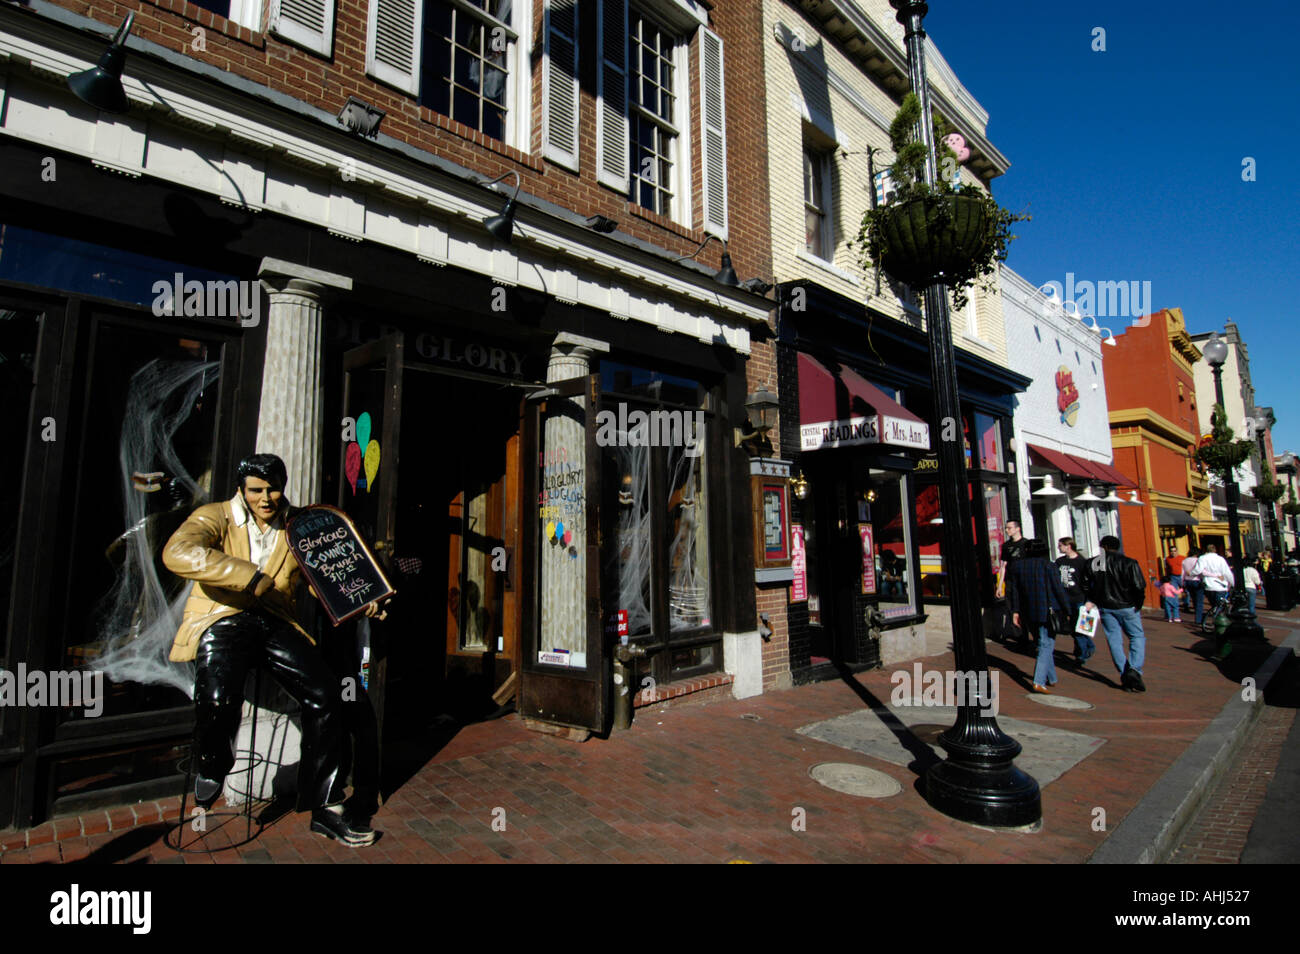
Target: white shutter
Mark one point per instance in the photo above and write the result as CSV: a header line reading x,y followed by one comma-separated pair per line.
x,y
714,123
611,94
393,43
560,84
308,23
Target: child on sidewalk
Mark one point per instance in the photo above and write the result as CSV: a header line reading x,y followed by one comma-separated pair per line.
x,y
1169,596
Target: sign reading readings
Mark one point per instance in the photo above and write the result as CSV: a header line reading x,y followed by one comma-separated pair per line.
x,y
336,561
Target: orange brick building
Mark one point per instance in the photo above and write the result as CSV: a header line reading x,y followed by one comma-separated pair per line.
x,y
1153,421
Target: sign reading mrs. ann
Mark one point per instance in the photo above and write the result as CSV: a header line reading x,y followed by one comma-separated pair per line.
x,y
336,561
875,429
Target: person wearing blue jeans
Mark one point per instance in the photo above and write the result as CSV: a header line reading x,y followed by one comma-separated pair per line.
x,y
1117,587
1120,622
1033,588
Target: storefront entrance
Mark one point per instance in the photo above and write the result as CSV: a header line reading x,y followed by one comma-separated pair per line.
x,y
437,489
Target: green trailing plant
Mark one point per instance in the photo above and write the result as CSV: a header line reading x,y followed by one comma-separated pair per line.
x,y
1291,508
968,228
1220,451
1269,491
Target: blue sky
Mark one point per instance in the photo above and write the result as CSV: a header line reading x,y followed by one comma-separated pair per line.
x,y
1130,160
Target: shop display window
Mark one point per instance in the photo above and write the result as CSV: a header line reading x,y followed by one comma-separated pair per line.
x,y
888,516
657,491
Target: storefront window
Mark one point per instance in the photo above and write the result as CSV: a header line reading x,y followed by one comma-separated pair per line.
x,y
890,520
656,475
929,529
988,436
688,526
154,415
995,517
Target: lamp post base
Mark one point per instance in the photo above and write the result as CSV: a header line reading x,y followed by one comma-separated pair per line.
x,y
979,783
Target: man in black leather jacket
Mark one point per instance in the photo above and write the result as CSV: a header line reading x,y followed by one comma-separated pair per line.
x,y
1117,588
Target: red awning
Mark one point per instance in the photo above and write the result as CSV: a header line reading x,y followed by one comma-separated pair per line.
x,y
1112,476
1070,466
844,409
1073,466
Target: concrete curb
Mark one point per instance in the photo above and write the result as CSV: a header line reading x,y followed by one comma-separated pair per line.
x,y
1151,831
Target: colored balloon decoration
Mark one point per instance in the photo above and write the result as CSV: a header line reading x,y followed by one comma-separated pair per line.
x,y
352,465
568,537
363,429
550,530
372,464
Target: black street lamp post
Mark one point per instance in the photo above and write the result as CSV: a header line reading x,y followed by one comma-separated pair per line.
x,y
978,782
1242,623
1264,419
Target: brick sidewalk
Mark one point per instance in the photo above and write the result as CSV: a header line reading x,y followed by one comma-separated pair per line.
x,y
1218,833
722,782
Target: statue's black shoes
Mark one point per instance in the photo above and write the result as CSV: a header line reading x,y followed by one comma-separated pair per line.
x,y
206,791
335,823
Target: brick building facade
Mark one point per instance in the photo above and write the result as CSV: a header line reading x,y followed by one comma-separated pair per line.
x,y
377,292
1153,402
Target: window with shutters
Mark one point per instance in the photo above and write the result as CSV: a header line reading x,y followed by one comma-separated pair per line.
x,y
466,61
654,114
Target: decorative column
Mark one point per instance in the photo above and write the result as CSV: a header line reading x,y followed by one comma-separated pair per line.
x,y
564,513
289,421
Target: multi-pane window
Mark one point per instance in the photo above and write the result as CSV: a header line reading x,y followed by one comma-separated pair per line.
x,y
653,113
464,66
815,190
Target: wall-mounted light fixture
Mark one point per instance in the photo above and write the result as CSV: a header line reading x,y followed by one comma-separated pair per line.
x,y
1048,489
361,118
1133,499
760,412
101,85
1110,338
1087,496
1112,497
800,487
725,275
502,225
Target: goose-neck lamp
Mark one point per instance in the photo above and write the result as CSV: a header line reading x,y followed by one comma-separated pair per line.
x,y
101,85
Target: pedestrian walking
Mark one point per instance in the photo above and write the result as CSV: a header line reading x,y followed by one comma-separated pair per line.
x,y
1169,596
1192,584
1253,583
1174,565
1118,588
1033,590
1073,568
1216,576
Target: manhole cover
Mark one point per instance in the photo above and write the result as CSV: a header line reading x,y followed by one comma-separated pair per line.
x,y
1059,702
855,780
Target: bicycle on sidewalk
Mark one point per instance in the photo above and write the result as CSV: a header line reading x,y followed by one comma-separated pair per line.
x,y
1231,600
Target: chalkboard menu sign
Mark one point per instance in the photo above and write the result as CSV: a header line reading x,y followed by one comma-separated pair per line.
x,y
336,561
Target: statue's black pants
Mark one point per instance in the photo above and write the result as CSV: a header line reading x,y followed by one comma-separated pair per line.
x,y
227,651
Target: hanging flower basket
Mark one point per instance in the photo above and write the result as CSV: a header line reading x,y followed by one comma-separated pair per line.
x,y
929,234
934,238
1224,458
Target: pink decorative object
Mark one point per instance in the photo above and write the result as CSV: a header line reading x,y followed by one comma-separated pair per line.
x,y
957,143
